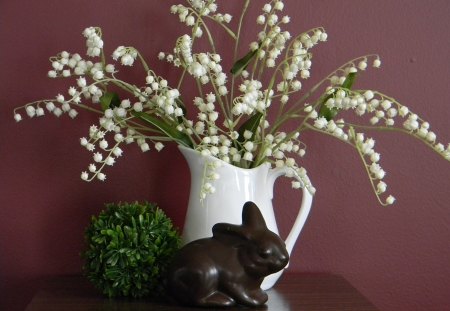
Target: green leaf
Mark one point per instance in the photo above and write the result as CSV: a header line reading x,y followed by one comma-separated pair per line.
x,y
241,64
328,113
250,125
348,83
167,129
119,231
113,260
109,100
112,273
127,230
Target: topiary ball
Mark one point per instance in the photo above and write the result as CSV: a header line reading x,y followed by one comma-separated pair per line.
x,y
129,248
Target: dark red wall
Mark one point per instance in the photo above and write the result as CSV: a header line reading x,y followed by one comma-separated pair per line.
x,y
397,256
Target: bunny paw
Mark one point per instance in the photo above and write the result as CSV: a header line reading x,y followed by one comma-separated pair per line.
x,y
217,299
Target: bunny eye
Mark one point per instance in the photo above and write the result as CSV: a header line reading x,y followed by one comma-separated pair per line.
x,y
265,253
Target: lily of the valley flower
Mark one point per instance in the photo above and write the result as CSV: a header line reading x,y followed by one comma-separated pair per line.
x,y
256,114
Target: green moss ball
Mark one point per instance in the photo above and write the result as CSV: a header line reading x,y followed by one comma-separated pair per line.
x,y
129,248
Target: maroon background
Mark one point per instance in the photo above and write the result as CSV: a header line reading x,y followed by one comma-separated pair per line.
x,y
397,256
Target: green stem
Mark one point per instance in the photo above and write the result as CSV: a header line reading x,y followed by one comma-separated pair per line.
x,y
218,96
227,29
366,166
319,84
396,129
236,47
144,63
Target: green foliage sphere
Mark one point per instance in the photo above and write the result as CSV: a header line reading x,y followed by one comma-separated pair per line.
x,y
129,248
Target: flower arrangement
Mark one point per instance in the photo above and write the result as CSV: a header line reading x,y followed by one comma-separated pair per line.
x,y
254,113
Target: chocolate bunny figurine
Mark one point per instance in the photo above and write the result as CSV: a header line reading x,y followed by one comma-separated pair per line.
x,y
228,268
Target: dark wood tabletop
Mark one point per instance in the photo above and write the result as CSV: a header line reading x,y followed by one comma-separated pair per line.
x,y
293,292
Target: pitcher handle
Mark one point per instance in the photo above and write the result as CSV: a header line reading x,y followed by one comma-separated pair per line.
x,y
304,210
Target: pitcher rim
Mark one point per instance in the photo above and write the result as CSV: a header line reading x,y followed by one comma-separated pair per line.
x,y
265,164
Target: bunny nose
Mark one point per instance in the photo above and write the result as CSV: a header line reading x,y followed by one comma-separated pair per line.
x,y
284,259
281,262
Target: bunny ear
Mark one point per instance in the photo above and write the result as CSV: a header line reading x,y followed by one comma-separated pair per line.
x,y
252,221
252,217
227,230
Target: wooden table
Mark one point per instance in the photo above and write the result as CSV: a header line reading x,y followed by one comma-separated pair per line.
x,y
293,292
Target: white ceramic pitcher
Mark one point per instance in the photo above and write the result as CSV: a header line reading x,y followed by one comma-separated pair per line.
x,y
234,187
